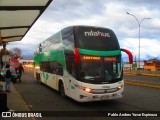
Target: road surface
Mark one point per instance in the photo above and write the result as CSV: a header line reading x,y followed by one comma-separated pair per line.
x,y
42,98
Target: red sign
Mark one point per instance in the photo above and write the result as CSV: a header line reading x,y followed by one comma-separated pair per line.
x,y
110,59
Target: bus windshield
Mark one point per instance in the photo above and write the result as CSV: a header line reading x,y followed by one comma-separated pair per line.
x,y
101,69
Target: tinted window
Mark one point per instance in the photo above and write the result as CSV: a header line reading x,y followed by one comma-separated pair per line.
x,y
51,67
95,38
52,43
71,65
67,36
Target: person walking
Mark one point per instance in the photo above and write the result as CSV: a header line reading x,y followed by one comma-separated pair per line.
x,y
21,69
8,78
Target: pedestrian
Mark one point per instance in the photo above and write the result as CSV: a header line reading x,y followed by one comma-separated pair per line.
x,y
8,78
21,69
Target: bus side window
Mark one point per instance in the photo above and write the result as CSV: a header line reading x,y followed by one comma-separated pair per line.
x,y
52,67
67,36
60,70
47,67
42,66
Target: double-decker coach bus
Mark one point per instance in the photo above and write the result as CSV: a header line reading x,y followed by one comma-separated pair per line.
x,y
82,62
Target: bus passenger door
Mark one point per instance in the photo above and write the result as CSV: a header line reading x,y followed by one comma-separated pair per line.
x,y
69,74
72,79
67,83
72,86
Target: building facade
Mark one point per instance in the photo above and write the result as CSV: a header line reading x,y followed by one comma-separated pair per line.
x,y
152,65
133,66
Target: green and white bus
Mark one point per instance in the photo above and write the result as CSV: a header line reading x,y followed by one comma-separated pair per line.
x,y
82,62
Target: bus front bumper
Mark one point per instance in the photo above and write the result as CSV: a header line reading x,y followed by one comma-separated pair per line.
x,y
87,97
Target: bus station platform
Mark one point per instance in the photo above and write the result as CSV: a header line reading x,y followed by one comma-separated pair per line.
x,y
15,102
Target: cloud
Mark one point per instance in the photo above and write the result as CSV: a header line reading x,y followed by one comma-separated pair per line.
x,y
104,13
147,47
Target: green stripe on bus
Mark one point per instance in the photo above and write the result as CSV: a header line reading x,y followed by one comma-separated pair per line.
x,y
99,53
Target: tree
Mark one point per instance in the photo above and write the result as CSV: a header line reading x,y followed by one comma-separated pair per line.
x,y
15,53
4,52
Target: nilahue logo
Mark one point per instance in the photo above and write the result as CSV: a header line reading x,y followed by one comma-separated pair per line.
x,y
96,33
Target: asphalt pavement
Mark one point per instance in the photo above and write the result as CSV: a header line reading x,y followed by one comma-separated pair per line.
x,y
17,103
145,81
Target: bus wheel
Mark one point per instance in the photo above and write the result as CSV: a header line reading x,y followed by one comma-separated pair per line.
x,y
61,89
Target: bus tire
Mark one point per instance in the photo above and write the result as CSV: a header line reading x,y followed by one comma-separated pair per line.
x,y
61,89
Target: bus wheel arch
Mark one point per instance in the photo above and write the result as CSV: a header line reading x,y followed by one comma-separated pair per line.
x,y
61,88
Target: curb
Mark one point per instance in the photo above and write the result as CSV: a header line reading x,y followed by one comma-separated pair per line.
x,y
142,84
16,101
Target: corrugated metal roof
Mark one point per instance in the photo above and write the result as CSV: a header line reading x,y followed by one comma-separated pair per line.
x,y
18,16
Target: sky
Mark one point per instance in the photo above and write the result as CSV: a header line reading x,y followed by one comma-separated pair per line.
x,y
103,13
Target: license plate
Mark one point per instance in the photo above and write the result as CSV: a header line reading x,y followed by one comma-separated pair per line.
x,y
105,97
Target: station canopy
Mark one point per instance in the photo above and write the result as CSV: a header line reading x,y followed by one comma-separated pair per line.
x,y
18,16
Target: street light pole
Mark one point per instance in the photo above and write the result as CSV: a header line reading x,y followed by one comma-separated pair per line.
x,y
139,27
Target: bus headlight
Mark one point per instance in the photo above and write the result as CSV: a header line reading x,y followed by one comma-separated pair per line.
x,y
88,90
120,87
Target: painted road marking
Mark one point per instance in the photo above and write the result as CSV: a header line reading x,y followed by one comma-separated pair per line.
x,y
141,84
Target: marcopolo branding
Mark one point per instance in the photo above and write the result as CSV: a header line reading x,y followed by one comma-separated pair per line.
x,y
96,33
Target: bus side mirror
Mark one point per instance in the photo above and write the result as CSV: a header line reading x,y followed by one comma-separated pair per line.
x,y
129,55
